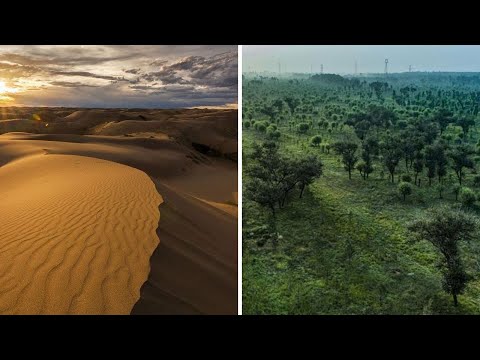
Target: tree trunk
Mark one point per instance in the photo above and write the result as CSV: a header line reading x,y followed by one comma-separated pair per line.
x,y
404,197
416,175
455,300
273,211
301,191
349,174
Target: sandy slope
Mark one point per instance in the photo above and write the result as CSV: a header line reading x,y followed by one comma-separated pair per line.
x,y
197,245
76,235
193,270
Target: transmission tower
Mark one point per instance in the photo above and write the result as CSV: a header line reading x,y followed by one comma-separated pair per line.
x,y
409,68
386,66
356,68
321,69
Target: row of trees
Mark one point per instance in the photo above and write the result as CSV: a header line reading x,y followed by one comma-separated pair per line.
x,y
434,158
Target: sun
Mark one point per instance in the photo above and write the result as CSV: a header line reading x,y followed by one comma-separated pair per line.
x,y
5,89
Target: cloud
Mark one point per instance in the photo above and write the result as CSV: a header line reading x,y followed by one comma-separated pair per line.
x,y
121,75
132,71
70,84
166,76
85,74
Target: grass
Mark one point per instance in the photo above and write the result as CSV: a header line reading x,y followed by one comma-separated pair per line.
x,y
344,248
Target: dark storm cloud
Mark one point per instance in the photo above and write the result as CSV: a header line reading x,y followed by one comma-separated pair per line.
x,y
132,71
85,74
188,63
121,75
166,76
70,84
215,71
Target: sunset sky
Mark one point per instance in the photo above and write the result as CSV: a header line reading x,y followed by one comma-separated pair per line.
x,y
160,76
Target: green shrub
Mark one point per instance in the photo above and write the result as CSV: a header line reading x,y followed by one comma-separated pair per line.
x,y
405,189
467,197
260,126
273,133
303,128
316,140
476,181
407,178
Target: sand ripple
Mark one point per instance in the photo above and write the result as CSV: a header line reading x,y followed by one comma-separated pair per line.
x,y
76,235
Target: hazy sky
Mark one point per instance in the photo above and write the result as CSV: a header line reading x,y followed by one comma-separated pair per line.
x,y
118,76
341,59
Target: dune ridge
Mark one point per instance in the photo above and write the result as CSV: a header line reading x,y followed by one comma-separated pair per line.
x,y
76,235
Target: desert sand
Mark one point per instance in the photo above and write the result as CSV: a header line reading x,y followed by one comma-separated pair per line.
x,y
118,211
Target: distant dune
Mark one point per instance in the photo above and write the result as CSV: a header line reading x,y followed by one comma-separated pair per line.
x,y
118,211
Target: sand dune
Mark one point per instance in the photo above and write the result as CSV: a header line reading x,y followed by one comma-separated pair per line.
x,y
212,130
76,235
72,166
197,246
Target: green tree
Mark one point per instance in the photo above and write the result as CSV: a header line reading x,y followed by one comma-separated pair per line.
x,y
264,193
307,170
303,128
273,133
347,149
440,188
461,159
465,123
418,165
316,140
405,189
265,171
456,190
391,155
467,197
441,159
292,103
442,117
430,162
445,229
